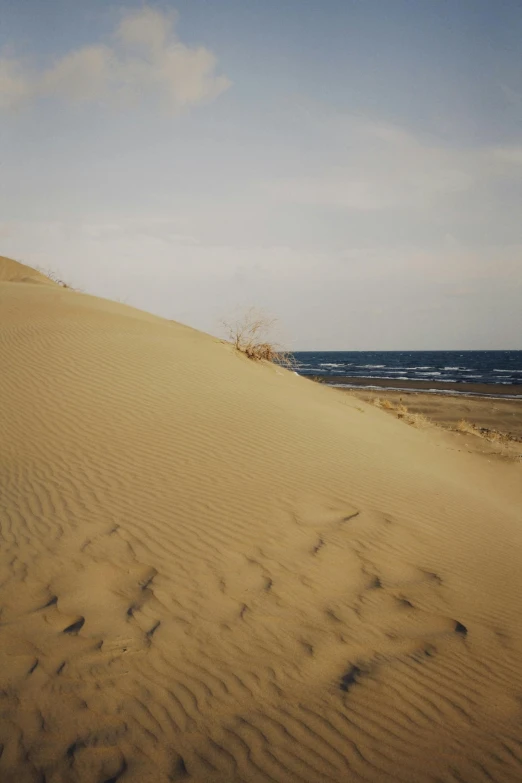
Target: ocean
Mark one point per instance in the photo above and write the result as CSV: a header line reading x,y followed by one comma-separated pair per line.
x,y
475,367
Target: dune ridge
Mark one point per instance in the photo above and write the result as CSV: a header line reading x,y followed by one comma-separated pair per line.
x,y
213,570
14,272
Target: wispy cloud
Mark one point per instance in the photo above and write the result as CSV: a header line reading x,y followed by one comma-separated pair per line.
x,y
322,297
381,166
143,60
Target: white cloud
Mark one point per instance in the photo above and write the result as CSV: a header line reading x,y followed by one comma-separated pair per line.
x,y
145,61
148,28
81,76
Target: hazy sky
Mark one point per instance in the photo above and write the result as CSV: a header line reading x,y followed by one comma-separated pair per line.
x,y
352,166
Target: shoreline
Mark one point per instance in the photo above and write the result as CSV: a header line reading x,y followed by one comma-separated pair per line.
x,y
496,390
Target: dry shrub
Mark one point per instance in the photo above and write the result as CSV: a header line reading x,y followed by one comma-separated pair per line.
x,y
414,419
466,427
387,405
55,277
251,334
417,420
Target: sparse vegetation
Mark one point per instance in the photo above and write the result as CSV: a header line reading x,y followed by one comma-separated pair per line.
x,y
251,334
504,443
415,419
55,277
388,405
493,436
466,427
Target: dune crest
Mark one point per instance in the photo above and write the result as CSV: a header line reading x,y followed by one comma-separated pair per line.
x,y
212,570
14,272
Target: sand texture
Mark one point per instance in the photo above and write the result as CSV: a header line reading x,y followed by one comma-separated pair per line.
x,y
213,570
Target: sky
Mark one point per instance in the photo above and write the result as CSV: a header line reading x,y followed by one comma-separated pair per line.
x,y
351,167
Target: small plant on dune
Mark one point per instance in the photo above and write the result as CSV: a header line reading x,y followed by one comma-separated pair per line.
x,y
55,277
251,334
414,419
466,427
389,405
417,420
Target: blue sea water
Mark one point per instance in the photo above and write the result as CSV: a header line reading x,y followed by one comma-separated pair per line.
x,y
482,367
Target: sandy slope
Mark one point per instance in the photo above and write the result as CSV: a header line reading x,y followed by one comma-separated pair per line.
x,y
214,570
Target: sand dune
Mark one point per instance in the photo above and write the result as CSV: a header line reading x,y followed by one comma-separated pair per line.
x,y
213,570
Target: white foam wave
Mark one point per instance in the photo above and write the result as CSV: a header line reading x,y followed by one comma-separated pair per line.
x,y
429,391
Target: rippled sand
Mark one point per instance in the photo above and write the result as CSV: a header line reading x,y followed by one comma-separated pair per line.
x,y
215,570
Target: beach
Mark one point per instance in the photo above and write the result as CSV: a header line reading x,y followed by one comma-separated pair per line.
x,y
214,570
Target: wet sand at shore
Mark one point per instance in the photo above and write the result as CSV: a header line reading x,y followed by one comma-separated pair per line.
x,y
483,389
